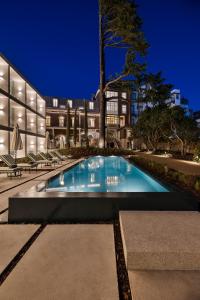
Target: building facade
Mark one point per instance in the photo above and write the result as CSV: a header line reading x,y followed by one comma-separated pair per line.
x,y
21,104
118,118
56,120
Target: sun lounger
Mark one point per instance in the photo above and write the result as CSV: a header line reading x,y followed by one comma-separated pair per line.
x,y
45,156
55,157
11,172
42,161
10,162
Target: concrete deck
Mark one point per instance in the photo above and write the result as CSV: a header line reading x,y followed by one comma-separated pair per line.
x,y
186,167
12,239
66,262
165,285
161,240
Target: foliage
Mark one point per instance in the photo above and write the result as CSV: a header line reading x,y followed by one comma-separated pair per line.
x,y
119,28
184,128
152,125
162,123
184,181
197,154
157,91
90,151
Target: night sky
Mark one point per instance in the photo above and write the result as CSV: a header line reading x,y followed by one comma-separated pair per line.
x,y
55,44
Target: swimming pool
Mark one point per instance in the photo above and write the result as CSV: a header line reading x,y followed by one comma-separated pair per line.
x,y
104,175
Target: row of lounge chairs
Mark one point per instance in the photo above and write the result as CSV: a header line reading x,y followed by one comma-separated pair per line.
x,y
47,159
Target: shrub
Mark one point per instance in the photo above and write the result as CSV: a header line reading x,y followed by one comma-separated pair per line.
x,y
196,156
84,152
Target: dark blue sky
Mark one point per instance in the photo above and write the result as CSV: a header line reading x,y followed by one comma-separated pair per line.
x,y
55,44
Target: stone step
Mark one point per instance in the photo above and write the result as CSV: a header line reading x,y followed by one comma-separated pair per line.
x,y
161,240
165,285
66,262
12,239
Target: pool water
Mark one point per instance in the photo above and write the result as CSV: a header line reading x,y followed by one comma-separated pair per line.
x,y
104,174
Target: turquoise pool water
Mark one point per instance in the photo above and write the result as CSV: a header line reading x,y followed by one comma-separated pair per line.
x,y
104,174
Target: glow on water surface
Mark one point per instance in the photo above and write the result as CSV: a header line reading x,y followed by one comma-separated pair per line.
x,y
104,174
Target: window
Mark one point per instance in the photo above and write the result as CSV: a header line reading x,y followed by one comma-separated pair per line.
x,y
69,103
112,107
91,105
91,122
61,121
48,121
55,102
124,109
110,94
124,95
112,120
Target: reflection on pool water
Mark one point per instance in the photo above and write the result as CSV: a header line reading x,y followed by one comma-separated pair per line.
x,y
104,174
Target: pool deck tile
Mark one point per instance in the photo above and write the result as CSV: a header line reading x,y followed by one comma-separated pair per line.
x,y
66,262
12,239
161,240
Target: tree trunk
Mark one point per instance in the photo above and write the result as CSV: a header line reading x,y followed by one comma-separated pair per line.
x,y
75,127
68,128
86,125
102,102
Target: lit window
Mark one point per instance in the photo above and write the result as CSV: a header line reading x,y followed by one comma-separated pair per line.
x,y
112,120
91,105
124,95
55,102
124,109
110,94
91,122
61,121
112,107
69,103
48,121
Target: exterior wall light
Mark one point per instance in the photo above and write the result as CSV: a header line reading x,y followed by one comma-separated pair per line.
x,y
1,77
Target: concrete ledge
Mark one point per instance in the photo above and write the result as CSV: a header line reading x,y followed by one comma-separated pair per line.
x,y
66,262
161,240
165,285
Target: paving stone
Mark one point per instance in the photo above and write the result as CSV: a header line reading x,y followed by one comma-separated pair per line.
x,y
161,240
165,285
66,262
12,239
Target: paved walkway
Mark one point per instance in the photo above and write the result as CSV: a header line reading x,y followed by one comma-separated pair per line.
x,y
65,262
187,167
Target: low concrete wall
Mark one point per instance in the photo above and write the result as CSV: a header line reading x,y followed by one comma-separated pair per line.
x,y
80,207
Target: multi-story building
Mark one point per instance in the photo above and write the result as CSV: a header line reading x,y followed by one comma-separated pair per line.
x,y
118,118
56,119
20,103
